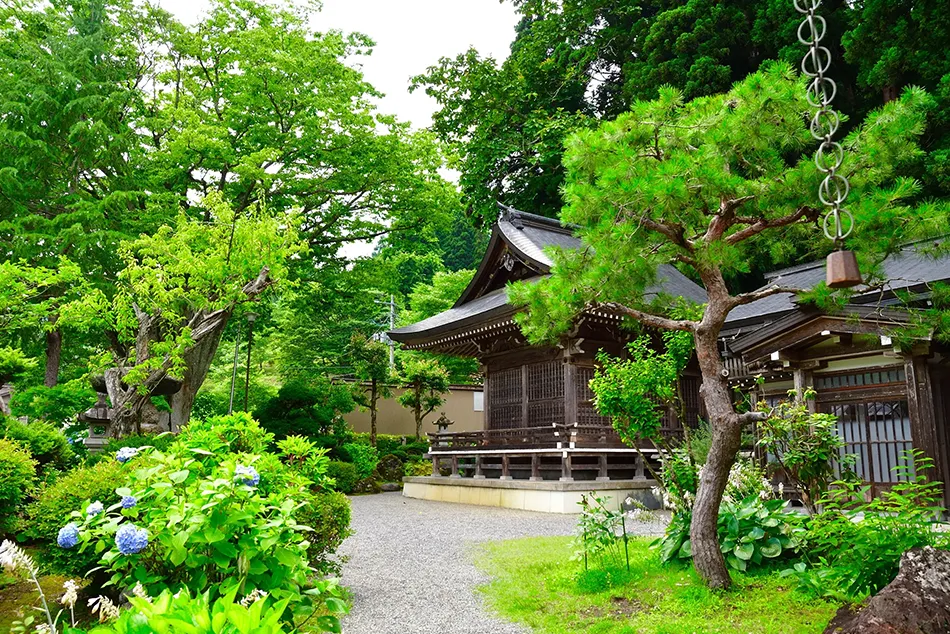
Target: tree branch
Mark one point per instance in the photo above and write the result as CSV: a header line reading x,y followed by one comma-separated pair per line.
x,y
754,296
762,224
648,319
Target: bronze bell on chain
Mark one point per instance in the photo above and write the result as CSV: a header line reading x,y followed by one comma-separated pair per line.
x,y
841,270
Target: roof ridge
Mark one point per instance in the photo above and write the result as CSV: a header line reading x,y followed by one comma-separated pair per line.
x,y
519,218
805,266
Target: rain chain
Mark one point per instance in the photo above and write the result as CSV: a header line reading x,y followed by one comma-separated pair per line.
x,y
838,224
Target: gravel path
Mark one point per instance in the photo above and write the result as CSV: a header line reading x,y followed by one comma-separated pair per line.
x,y
410,568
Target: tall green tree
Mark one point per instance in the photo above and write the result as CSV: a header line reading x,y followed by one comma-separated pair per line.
x,y
697,184
370,361
425,382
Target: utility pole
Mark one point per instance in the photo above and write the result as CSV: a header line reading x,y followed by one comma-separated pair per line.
x,y
392,325
250,340
237,346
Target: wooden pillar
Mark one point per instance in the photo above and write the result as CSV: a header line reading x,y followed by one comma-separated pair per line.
x,y
524,396
640,470
486,401
478,468
566,474
455,467
570,392
504,468
920,405
535,468
435,466
602,475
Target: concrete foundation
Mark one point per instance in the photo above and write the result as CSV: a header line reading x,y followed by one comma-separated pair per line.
x,y
544,496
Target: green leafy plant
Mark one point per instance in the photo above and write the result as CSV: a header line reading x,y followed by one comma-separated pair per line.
x,y
751,532
853,546
601,534
425,382
305,458
364,457
806,448
46,443
343,475
45,515
17,473
236,433
417,468
328,514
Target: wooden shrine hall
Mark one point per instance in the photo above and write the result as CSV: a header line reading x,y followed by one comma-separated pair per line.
x,y
542,432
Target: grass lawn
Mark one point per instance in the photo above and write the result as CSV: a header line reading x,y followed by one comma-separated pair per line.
x,y
534,582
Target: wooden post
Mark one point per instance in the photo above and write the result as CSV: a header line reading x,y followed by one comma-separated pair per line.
x,y
535,468
504,468
920,405
803,380
566,474
455,467
570,392
435,467
602,475
639,475
478,468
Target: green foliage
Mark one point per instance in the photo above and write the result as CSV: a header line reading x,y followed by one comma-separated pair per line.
x,y
311,408
391,468
13,363
47,444
344,476
417,468
425,381
305,458
53,504
601,533
752,532
182,613
852,547
680,478
328,514
633,391
237,433
807,448
159,441
17,473
59,404
208,529
364,457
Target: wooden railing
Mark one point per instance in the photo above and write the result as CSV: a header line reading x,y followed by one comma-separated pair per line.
x,y
554,438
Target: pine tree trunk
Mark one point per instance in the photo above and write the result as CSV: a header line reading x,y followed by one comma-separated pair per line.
x,y
726,439
198,361
54,353
373,396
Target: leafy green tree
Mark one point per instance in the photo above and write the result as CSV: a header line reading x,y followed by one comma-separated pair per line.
x,y
425,382
307,407
695,184
370,361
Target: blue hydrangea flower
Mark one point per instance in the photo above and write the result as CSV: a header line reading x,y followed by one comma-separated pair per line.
x,y
131,539
94,509
128,501
68,536
126,453
247,475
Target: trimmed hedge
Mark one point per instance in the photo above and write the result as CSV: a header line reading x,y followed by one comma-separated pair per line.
x,y
17,473
345,475
328,514
50,512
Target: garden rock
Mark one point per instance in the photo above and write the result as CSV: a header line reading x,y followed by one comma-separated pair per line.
x,y
390,468
916,602
390,487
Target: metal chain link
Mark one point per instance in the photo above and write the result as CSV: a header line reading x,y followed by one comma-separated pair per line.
x,y
834,189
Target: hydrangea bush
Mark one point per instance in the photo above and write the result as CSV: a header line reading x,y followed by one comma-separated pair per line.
x,y
204,519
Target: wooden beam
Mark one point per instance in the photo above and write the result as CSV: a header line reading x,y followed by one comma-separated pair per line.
x,y
923,417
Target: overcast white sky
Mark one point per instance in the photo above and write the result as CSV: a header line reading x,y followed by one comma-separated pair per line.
x,y
410,35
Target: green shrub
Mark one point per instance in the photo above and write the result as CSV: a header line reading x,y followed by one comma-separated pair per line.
x,y
159,441
364,457
751,532
418,468
302,456
51,509
236,433
311,408
17,474
344,475
46,443
328,514
202,524
391,468
372,484
853,547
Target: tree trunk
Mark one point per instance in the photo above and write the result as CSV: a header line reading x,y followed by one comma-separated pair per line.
x,y
198,362
418,411
373,395
54,352
726,439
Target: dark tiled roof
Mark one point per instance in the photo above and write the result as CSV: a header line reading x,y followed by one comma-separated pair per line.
x,y
528,235
492,304
906,269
